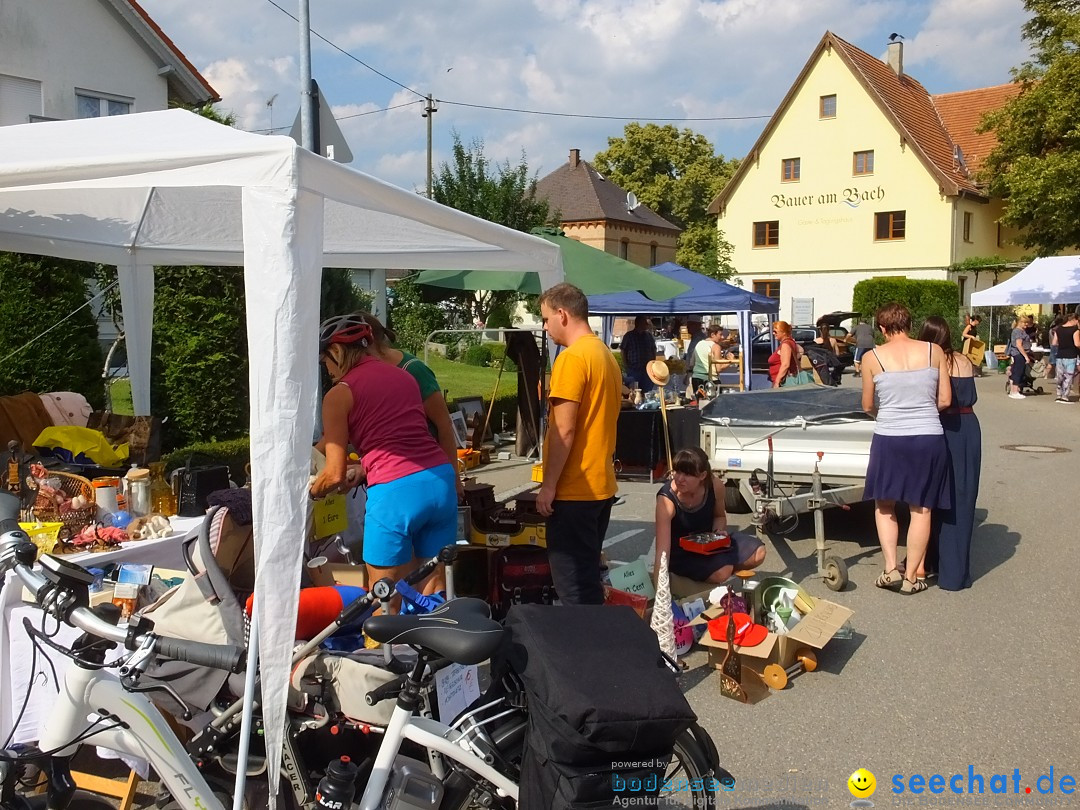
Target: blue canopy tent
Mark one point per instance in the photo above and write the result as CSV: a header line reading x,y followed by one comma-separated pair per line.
x,y
706,296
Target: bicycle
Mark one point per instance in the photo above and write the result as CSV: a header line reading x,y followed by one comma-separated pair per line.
x,y
469,762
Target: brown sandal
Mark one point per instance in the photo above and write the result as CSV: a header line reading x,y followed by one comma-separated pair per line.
x,y
889,580
918,586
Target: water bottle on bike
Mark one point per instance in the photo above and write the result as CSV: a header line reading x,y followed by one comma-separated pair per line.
x,y
337,788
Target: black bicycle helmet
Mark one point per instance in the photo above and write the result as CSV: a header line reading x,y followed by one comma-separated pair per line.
x,y
344,329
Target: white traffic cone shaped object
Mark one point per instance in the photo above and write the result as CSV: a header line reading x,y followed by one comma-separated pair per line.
x,y
663,622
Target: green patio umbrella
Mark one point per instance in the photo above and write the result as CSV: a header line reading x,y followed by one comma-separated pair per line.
x,y
589,268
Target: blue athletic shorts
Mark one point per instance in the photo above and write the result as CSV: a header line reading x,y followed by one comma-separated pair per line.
x,y
414,516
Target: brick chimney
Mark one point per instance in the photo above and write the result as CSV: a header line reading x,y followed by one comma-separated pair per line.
x,y
895,57
575,158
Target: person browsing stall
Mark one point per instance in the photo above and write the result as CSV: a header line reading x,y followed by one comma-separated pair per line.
x,y
435,409
949,552
784,362
1020,352
692,502
1067,340
579,448
905,387
375,407
862,337
709,358
638,349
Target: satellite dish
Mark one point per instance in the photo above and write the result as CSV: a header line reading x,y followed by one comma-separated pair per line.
x,y
631,201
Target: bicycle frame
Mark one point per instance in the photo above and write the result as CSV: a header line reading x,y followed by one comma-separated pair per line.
x,y
435,737
147,735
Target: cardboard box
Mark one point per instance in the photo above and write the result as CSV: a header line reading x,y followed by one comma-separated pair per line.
x,y
814,630
338,574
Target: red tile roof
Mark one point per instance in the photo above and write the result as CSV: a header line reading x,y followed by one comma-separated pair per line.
x,y
211,93
931,126
962,112
581,194
906,101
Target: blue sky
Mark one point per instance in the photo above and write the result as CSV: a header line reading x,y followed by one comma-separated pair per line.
x,y
638,59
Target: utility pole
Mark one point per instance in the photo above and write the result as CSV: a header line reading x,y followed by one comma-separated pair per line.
x,y
429,111
307,99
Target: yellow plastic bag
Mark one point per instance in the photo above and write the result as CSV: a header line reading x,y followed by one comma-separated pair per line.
x,y
84,441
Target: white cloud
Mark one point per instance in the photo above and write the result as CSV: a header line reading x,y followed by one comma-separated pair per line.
x,y
975,42
659,58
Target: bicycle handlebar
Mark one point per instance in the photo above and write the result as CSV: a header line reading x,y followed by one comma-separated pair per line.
x,y
217,656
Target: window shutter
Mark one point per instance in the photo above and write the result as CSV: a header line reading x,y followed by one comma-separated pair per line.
x,y
19,99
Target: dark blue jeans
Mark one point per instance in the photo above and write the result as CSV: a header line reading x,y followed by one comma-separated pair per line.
x,y
1016,371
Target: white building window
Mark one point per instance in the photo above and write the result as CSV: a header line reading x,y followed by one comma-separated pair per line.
x,y
95,105
19,100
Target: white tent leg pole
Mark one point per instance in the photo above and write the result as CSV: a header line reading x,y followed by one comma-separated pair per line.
x,y
746,337
379,306
249,711
137,303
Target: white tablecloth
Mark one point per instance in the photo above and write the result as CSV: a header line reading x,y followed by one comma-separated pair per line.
x,y
15,646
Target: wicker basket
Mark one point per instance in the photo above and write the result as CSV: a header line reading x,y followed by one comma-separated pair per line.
x,y
74,520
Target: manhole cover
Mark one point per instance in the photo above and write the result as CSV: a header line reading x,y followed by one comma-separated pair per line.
x,y
1035,448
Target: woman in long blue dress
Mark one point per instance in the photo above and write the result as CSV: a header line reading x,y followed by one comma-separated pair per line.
x,y
952,527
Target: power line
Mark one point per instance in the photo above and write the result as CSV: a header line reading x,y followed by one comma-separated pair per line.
x,y
271,130
602,117
421,97
346,53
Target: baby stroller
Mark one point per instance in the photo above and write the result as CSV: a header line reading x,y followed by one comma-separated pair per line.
x,y
1032,372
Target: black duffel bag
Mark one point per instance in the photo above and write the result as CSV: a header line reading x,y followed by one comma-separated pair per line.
x,y
604,708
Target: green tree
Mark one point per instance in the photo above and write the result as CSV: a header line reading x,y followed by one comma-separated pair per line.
x,y
412,317
498,192
1037,160
676,173
39,293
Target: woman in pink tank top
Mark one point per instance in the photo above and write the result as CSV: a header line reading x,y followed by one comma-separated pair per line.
x,y
376,407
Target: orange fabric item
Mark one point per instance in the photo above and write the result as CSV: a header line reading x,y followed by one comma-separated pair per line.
x,y
317,608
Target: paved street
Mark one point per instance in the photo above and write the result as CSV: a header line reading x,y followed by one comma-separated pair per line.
x,y
931,683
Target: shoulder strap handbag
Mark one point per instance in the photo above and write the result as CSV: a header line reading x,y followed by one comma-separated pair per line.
x,y
195,483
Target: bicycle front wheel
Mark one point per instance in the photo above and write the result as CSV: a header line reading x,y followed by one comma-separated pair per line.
x,y
689,781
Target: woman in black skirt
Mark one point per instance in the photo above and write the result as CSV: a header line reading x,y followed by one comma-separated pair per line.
x,y
692,502
905,384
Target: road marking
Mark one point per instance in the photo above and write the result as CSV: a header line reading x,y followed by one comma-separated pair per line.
x,y
621,536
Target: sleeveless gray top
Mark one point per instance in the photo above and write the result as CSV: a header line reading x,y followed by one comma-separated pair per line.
x,y
907,401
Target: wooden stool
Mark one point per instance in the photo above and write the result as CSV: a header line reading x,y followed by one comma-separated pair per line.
x,y
124,791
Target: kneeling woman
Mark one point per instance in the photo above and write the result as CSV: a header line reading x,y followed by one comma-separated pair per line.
x,y
376,407
691,503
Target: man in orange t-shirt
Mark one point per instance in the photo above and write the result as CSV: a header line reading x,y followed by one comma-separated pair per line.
x,y
579,448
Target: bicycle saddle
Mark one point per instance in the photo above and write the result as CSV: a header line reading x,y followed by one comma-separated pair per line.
x,y
461,630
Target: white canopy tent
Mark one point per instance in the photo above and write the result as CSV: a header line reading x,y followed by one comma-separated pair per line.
x,y
174,188
1050,280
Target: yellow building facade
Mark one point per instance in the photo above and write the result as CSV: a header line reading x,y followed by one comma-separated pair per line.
x,y
856,177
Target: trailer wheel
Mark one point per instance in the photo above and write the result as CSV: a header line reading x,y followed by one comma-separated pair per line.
x,y
835,574
734,503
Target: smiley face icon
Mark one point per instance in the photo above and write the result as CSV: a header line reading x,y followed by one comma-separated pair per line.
x,y
862,784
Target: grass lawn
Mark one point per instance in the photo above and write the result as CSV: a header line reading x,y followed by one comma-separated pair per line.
x,y
457,378
461,380
120,393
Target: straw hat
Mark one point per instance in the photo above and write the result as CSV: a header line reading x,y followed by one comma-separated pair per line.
x,y
658,372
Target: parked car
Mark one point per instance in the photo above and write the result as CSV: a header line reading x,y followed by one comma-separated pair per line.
x,y
804,336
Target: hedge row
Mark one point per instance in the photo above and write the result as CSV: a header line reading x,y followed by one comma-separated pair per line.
x,y
922,297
